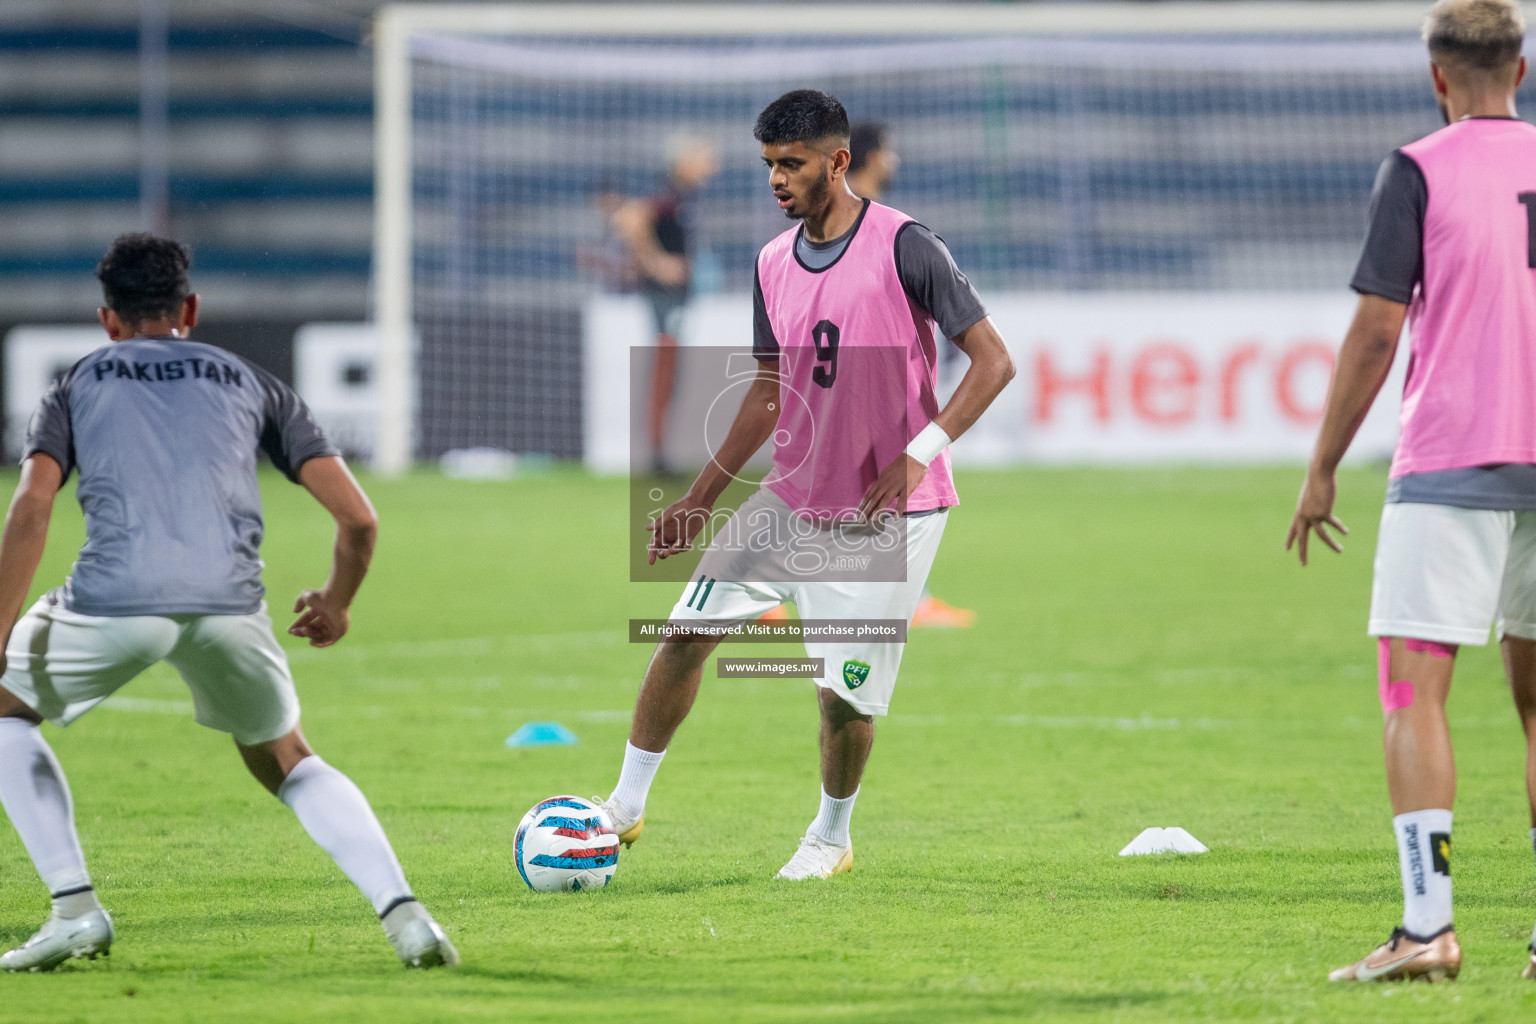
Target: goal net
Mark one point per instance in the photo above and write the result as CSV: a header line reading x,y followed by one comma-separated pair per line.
x,y
1177,147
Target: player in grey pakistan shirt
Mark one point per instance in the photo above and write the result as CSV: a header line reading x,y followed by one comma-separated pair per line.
x,y
161,431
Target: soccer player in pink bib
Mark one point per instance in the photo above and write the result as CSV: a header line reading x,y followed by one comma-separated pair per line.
x,y
1452,249
848,308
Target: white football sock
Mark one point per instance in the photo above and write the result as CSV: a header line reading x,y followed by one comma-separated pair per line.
x,y
36,799
78,903
1424,857
336,815
1533,849
635,778
832,820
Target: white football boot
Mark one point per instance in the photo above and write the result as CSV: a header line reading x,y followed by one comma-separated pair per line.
x,y
817,858
59,939
419,941
626,828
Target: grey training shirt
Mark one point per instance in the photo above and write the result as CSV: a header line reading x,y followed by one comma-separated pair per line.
x,y
164,433
1392,266
927,272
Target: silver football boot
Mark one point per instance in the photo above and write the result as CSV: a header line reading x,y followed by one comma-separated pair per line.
x,y
59,939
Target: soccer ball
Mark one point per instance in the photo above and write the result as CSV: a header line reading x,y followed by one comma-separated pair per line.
x,y
566,843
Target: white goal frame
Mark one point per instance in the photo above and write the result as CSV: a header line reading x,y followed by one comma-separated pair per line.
x,y
396,24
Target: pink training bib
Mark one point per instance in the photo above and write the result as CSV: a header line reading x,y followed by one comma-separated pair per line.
x,y
858,371
1470,398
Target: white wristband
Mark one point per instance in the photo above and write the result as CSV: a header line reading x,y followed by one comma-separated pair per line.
x,y
928,443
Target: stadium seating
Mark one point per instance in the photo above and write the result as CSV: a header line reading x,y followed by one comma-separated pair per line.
x,y
270,159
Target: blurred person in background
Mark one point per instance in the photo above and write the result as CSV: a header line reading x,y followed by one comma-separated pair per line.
x,y
870,171
1451,248
874,161
658,234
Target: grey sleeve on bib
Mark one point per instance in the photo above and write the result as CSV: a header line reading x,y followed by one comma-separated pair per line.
x,y
765,347
930,276
1392,262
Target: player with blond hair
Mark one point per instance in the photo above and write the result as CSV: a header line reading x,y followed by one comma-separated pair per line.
x,y
1452,249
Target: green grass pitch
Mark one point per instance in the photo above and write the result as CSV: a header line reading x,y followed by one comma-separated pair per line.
x,y
1145,655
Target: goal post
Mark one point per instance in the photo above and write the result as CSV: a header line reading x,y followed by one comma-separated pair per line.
x,y
392,307
496,124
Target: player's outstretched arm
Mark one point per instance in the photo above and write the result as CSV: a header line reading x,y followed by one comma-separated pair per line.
x,y
324,613
26,532
1364,361
683,519
990,371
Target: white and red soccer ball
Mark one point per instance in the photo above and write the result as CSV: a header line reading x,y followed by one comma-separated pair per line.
x,y
566,843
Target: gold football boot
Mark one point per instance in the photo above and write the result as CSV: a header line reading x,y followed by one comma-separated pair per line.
x,y
628,829
1406,957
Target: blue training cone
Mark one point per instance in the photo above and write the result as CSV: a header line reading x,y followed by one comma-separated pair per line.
x,y
542,734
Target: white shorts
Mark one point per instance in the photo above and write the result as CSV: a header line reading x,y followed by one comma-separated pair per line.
x,y
61,664
1446,574
862,673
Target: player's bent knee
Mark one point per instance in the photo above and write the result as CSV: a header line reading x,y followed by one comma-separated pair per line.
x,y
689,647
270,762
1394,696
1431,648
835,706
12,706
1398,694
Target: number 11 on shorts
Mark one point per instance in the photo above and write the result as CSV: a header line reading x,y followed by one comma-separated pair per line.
x,y
701,589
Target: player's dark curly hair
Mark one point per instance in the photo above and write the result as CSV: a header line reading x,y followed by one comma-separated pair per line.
x,y
144,277
804,115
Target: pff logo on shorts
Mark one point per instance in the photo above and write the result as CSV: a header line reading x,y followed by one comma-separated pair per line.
x,y
854,673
